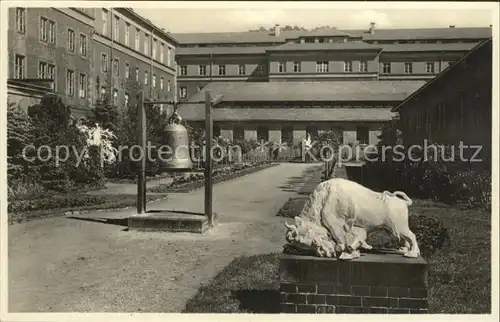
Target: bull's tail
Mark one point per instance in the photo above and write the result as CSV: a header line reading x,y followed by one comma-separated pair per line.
x,y
404,196
401,194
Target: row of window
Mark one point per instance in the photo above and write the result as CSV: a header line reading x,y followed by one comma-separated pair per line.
x,y
321,67
48,32
137,41
362,133
116,72
220,70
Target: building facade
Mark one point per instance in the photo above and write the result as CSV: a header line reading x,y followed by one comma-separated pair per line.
x,y
266,77
454,107
91,54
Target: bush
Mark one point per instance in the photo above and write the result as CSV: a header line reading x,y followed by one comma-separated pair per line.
x,y
430,233
55,202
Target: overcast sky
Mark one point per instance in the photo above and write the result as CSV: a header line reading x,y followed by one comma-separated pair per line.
x,y
181,20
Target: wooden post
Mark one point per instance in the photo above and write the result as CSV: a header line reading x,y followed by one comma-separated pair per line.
x,y
208,158
141,141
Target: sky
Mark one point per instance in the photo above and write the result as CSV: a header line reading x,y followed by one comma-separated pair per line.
x,y
182,20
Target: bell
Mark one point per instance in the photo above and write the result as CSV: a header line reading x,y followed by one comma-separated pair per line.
x,y
176,155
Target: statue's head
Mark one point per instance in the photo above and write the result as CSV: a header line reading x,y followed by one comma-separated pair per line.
x,y
304,232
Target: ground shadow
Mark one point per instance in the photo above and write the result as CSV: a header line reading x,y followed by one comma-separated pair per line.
x,y
262,301
110,221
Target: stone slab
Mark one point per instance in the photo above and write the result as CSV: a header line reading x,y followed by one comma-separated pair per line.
x,y
169,221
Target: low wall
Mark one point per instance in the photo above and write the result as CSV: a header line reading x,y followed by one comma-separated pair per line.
x,y
373,283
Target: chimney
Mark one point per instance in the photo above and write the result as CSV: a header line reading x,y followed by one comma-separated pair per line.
x,y
372,28
452,26
491,26
277,30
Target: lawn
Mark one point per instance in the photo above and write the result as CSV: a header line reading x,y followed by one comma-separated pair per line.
x,y
459,277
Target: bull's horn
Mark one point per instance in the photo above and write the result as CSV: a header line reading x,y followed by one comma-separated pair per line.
x,y
289,226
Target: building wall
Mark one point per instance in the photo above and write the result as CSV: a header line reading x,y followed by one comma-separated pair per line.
x,y
465,113
29,44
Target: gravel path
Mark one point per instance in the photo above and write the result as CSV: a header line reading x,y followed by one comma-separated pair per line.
x,y
67,265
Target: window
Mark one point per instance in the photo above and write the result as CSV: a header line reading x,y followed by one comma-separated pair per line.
x,y
116,34
104,63
202,70
386,68
363,66
322,67
146,45
408,68
71,40
261,69
262,134
103,92
51,72
70,82
115,97
183,70
127,99
161,83
19,66
146,77
238,133
287,135
183,92
116,67
296,67
127,71
281,67
82,86
83,45
154,80
21,20
362,134
347,66
104,22
241,70
168,55
47,30
168,86
162,48
154,49
137,39
137,74
42,70
222,69
429,67
127,34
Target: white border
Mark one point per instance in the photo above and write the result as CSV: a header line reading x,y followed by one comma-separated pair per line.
x,y
123,317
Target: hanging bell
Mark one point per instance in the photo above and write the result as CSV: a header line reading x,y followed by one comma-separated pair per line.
x,y
176,155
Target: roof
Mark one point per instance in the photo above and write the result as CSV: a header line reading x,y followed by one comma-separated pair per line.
x,y
182,51
439,76
425,33
380,34
428,47
157,30
196,112
255,36
359,45
310,91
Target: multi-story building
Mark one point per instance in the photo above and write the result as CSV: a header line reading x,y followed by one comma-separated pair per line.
x,y
455,107
337,66
90,53
54,44
132,54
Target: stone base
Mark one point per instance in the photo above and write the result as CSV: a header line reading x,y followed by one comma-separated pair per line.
x,y
373,283
169,221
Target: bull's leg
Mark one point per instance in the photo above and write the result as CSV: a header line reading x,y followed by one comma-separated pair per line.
x,y
408,235
335,227
364,245
404,249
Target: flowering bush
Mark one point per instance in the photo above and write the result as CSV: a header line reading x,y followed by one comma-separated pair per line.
x,y
101,138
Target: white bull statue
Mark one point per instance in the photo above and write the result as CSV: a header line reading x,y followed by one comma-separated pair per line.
x,y
336,217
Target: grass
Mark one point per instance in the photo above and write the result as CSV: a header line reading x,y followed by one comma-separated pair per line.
x,y
459,276
76,202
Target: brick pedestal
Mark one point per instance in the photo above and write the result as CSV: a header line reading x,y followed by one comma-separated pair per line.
x,y
373,283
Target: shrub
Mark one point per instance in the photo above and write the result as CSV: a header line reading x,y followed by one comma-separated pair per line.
x,y
430,233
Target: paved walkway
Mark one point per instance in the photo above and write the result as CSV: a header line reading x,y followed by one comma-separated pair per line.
x,y
65,265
